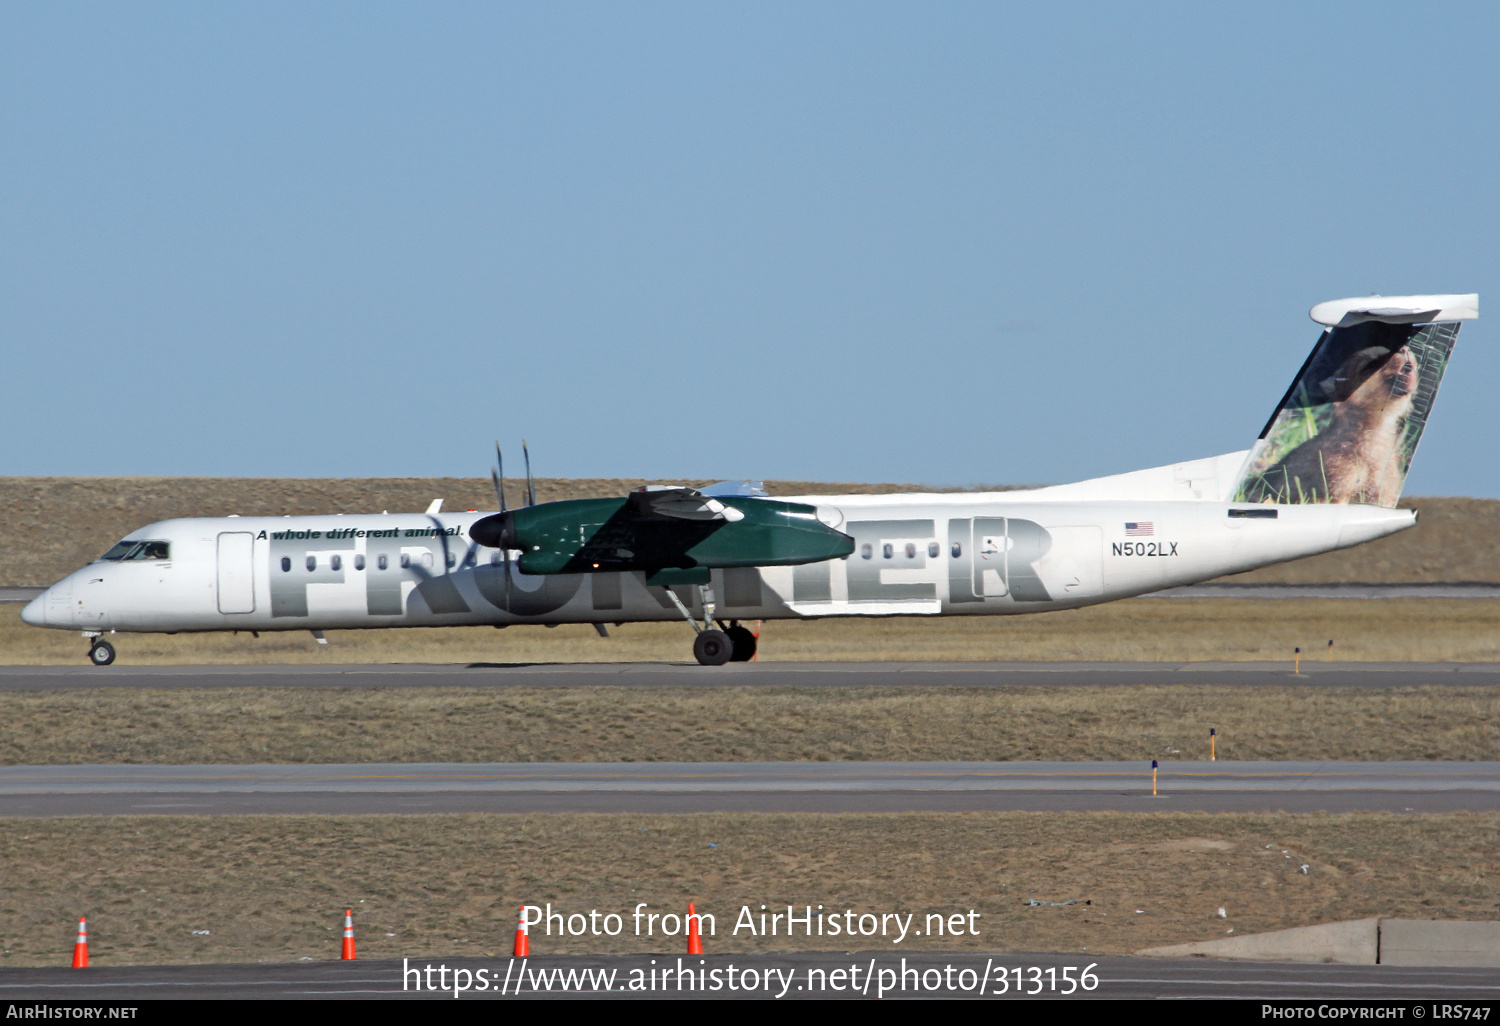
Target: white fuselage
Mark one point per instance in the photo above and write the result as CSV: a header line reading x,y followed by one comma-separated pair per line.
x,y
915,554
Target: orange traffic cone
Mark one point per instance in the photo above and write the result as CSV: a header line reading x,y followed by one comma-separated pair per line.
x,y
523,938
81,946
695,939
348,935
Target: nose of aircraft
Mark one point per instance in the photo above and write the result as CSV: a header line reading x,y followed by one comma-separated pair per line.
x,y
35,612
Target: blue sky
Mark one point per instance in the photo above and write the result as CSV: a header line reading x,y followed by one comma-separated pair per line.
x,y
943,243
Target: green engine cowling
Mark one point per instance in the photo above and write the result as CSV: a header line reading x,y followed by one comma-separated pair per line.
x,y
661,530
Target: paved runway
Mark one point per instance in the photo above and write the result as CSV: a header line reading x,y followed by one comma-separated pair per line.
x,y
801,675
1118,977
785,786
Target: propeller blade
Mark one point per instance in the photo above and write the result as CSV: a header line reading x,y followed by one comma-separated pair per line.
x,y
499,479
443,534
530,487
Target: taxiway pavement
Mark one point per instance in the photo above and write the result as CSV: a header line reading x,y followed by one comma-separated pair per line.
x,y
800,675
787,786
1118,977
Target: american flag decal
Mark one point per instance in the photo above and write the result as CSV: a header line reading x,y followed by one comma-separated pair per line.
x,y
1139,529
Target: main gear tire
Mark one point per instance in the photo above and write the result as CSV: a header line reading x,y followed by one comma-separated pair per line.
x,y
713,648
744,643
102,653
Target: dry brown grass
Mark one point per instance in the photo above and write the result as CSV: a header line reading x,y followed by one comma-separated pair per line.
x,y
1166,630
590,724
56,524
274,888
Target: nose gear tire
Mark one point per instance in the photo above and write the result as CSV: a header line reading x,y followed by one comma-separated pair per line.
x,y
102,653
713,648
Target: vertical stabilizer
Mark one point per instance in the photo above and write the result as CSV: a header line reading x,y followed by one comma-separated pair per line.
x,y
1348,427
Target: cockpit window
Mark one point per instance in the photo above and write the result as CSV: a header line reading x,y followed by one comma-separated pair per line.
x,y
132,549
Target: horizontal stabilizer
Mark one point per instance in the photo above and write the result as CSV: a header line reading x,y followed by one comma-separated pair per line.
x,y
1343,313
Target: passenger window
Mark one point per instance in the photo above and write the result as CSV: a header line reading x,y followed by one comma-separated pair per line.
x,y
337,562
911,551
405,560
932,550
427,560
451,560
886,550
312,563
864,551
958,550
359,562
382,562
495,558
286,564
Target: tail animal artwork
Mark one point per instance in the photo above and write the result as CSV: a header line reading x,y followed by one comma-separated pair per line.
x,y
1348,427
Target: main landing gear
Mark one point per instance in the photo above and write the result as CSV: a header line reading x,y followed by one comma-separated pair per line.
x,y
101,652
713,648
729,643
743,640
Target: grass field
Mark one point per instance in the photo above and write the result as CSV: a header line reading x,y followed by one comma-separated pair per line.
x,y
293,725
1167,630
274,888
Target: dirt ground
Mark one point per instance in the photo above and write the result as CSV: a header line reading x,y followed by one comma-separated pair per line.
x,y
274,888
56,524
1151,630
286,725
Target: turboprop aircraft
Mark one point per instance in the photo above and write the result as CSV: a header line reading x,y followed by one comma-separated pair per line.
x,y
1324,474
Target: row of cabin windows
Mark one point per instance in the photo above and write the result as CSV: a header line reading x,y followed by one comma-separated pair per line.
x,y
382,561
867,551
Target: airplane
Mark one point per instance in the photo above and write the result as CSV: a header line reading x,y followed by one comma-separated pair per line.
x,y
1325,473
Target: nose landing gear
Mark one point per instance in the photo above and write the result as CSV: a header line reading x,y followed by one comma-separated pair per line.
x,y
101,652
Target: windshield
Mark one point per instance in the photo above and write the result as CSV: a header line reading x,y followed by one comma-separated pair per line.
x,y
132,548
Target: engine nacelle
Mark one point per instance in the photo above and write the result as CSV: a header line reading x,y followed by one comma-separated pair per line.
x,y
661,529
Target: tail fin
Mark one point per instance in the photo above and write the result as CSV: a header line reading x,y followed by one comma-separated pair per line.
x,y
1348,427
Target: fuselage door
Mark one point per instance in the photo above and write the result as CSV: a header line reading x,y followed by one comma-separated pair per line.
x,y
236,572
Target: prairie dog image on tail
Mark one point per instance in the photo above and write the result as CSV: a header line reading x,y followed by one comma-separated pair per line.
x,y
1357,457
